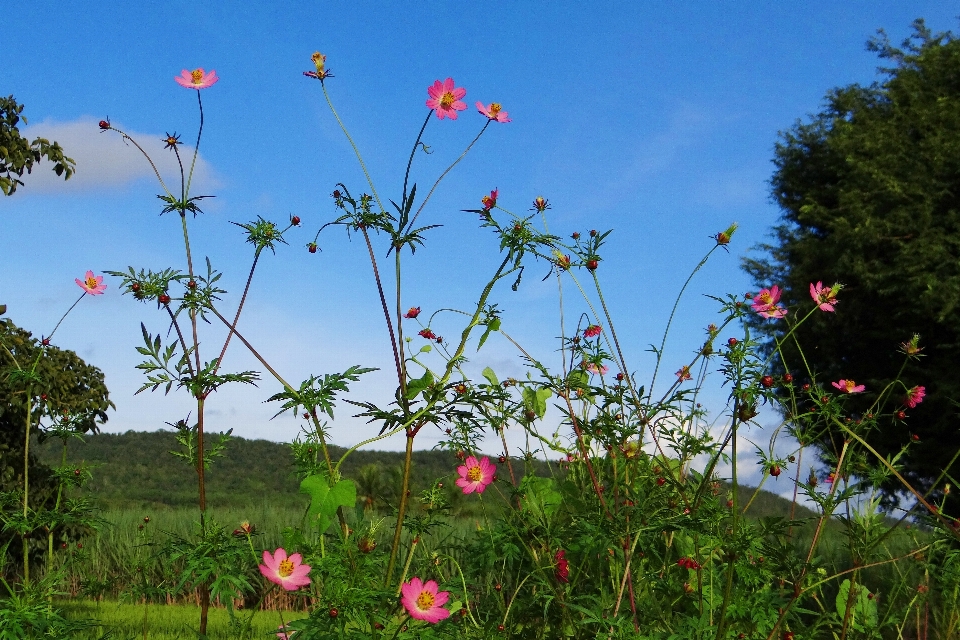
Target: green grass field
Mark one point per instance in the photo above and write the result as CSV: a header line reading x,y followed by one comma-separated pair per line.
x,y
121,621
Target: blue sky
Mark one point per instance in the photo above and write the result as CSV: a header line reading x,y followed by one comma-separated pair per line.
x,y
655,119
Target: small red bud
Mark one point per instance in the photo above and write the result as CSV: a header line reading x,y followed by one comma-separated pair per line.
x,y
63,545
135,287
146,518
312,247
43,396
732,342
334,613
460,455
306,416
915,438
501,459
104,124
792,458
592,265
766,382
295,221
805,387
529,414
45,342
787,378
500,627
901,415
575,235
661,482
79,545
729,504
775,470
164,298
593,233
620,377
192,284
498,587
76,472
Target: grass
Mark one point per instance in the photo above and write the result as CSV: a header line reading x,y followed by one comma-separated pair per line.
x,y
122,621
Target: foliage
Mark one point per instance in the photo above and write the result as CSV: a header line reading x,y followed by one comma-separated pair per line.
x,y
17,156
868,189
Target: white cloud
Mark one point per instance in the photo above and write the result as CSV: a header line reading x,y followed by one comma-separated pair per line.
x,y
106,161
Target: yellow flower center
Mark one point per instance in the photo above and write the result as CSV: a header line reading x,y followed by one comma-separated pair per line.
x,y
495,109
318,60
425,600
446,100
850,385
285,568
764,298
91,283
474,474
196,76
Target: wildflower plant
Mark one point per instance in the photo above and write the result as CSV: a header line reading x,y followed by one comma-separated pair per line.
x,y
633,533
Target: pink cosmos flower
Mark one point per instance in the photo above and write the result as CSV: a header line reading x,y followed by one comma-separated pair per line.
x,y
563,566
490,201
591,331
765,303
445,99
290,573
284,634
91,284
915,396
197,79
594,369
423,601
475,474
684,373
848,386
412,313
823,297
494,111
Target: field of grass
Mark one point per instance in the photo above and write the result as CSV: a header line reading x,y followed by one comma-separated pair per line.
x,y
122,621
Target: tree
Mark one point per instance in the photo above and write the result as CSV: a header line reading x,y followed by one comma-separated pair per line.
x,y
67,384
17,156
870,195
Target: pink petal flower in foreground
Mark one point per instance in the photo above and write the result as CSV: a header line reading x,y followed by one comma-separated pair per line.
x,y
848,386
197,79
475,474
824,297
91,284
494,111
290,573
445,99
423,601
915,396
765,303
285,634
592,331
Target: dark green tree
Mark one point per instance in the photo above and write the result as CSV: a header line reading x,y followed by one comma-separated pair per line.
x,y
67,384
870,195
17,156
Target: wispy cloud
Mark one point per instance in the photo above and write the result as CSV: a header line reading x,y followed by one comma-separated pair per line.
x,y
105,161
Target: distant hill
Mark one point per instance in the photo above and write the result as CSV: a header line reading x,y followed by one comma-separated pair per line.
x,y
135,469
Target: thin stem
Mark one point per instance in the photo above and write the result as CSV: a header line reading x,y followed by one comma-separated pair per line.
x,y
26,485
65,315
406,566
352,144
147,156
413,151
236,318
443,175
401,511
386,312
673,312
196,149
250,348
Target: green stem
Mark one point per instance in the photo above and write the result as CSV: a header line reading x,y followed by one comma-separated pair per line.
x,y
401,511
236,318
196,150
26,487
352,144
443,175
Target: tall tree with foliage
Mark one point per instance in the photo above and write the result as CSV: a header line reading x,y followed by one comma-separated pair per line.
x,y
870,193
17,155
